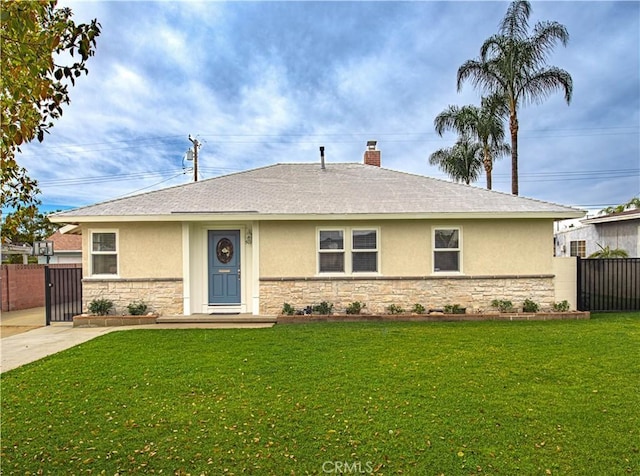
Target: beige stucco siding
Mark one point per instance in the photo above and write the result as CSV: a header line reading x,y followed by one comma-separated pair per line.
x,y
507,247
489,247
145,250
287,249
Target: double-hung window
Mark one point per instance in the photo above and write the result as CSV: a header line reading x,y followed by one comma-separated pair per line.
x,y
348,250
364,251
446,250
104,252
331,251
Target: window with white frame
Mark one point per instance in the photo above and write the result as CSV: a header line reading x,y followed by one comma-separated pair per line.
x,y
364,251
578,248
104,252
348,250
331,251
446,250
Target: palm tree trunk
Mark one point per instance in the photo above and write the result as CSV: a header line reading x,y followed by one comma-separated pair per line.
x,y
487,165
513,125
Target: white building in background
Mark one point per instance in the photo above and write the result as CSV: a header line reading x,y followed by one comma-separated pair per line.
x,y
584,237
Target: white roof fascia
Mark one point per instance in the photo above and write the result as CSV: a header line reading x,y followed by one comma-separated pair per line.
x,y
610,219
71,229
204,217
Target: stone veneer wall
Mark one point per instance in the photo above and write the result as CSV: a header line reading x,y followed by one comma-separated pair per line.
x,y
473,292
163,296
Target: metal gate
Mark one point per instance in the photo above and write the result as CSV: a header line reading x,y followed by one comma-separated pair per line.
x,y
611,284
63,293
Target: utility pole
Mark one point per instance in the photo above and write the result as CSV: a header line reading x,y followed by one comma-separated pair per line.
x,y
196,146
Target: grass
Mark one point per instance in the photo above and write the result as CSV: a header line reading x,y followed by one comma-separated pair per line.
x,y
382,398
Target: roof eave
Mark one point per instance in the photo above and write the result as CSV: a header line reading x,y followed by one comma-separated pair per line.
x,y
610,219
209,217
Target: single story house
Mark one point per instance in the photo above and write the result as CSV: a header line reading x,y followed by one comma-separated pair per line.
x,y
303,233
615,230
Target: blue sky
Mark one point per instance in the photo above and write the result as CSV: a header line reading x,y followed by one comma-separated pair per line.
x,y
260,83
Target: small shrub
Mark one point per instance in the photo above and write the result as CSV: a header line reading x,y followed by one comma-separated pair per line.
x,y
418,309
502,305
562,306
323,308
355,307
453,309
288,309
394,309
529,306
137,308
100,307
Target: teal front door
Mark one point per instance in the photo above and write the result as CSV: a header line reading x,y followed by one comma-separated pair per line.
x,y
224,267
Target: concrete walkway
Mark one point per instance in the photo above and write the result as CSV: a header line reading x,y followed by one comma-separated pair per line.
x,y
35,340
17,322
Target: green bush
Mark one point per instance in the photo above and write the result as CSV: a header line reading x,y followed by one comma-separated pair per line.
x,y
100,307
288,309
355,307
453,309
323,308
137,308
394,309
562,306
418,309
502,305
529,306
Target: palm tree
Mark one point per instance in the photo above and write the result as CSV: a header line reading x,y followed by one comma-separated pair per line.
x,y
462,162
515,65
607,252
630,205
484,123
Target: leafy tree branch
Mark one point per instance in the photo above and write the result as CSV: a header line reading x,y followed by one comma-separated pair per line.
x,y
33,87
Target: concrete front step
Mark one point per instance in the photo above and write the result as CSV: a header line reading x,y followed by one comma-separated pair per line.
x,y
214,319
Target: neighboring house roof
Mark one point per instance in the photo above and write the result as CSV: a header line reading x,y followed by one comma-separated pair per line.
x,y
66,243
295,190
614,217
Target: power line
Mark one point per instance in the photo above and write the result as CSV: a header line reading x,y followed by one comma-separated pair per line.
x,y
347,137
103,178
150,186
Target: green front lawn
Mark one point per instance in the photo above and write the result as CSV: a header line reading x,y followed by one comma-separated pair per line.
x,y
556,397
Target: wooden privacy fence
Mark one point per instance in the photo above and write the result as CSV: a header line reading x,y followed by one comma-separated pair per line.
x,y
611,284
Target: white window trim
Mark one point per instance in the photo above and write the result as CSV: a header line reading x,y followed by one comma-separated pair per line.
x,y
369,250
458,249
343,250
347,249
92,253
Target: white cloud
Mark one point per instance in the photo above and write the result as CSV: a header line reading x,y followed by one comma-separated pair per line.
x,y
266,82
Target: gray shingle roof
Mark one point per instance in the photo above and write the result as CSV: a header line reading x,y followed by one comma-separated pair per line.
x,y
301,189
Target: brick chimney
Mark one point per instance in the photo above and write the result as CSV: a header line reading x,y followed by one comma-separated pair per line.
x,y
372,155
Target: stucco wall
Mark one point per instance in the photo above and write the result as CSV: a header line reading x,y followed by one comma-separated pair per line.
x,y
565,281
489,247
145,250
623,235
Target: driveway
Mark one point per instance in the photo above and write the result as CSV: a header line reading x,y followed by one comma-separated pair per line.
x,y
17,322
